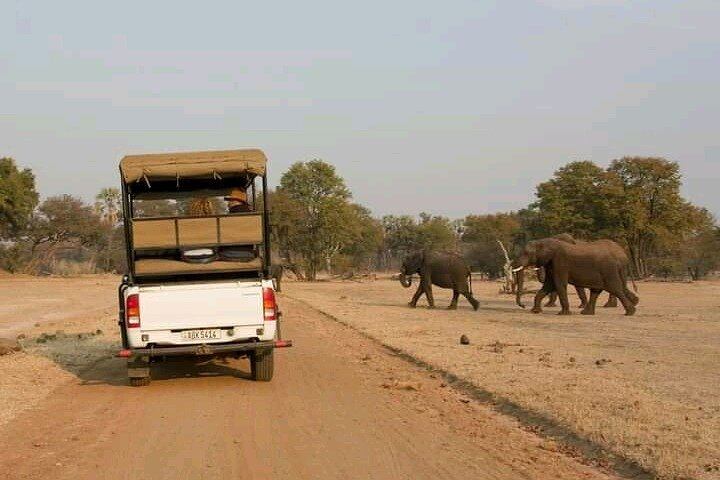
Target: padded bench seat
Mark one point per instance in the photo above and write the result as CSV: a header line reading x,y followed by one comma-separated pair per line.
x,y
162,266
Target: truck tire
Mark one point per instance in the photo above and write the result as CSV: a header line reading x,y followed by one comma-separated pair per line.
x,y
261,365
139,381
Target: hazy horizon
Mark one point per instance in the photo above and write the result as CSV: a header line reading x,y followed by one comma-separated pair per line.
x,y
451,110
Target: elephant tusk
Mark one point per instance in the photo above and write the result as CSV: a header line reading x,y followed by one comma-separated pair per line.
x,y
515,270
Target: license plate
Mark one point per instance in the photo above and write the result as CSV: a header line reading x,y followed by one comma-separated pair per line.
x,y
215,334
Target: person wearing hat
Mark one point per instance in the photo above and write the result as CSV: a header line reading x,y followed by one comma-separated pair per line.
x,y
237,201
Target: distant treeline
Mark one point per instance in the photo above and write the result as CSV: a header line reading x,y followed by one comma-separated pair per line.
x,y
317,227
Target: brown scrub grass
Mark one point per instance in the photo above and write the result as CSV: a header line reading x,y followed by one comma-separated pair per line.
x,y
645,388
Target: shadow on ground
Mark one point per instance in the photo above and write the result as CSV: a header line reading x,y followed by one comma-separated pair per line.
x,y
90,357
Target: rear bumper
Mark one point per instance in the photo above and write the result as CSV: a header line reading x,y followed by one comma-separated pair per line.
x,y
204,349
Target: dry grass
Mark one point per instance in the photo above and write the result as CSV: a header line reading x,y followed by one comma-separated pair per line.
x,y
646,386
80,316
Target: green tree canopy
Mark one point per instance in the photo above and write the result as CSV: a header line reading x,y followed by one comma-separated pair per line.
x,y
636,201
18,198
482,233
66,218
574,201
312,211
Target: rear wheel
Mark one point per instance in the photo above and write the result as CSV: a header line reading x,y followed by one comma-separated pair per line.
x,y
139,371
139,381
261,365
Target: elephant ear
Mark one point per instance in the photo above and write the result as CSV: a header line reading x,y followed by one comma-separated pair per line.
x,y
542,253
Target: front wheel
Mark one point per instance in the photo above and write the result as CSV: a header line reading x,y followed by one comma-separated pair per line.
x,y
261,365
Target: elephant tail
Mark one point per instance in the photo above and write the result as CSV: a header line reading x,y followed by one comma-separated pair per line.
x,y
469,275
629,273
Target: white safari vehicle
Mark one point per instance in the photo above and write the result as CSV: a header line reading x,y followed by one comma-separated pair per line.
x,y
198,281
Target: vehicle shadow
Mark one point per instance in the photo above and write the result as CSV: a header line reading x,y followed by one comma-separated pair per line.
x,y
175,369
90,357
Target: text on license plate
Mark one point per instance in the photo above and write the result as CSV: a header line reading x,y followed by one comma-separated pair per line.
x,y
201,334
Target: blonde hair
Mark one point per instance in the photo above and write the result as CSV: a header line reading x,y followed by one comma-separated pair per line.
x,y
201,206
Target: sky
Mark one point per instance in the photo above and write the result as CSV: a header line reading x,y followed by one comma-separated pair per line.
x,y
450,108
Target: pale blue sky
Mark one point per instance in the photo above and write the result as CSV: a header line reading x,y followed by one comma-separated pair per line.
x,y
446,107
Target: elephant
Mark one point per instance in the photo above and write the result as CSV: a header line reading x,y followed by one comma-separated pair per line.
x,y
446,270
613,247
276,273
593,265
552,296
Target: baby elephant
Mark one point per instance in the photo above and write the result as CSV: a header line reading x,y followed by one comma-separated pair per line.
x,y
446,270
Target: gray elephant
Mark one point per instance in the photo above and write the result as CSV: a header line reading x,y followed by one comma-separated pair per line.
x,y
276,273
446,270
613,248
592,265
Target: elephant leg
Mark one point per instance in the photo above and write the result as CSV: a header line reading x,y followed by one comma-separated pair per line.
x,y
418,293
590,306
537,305
561,286
583,297
611,302
475,304
619,292
630,295
552,300
634,299
453,302
429,295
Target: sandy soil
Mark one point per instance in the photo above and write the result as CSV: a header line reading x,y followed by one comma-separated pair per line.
x,y
646,387
340,406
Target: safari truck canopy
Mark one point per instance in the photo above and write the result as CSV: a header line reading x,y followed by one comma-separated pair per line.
x,y
159,242
192,165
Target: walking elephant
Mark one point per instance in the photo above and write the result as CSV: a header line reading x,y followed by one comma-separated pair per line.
x,y
592,265
552,296
613,248
445,270
276,273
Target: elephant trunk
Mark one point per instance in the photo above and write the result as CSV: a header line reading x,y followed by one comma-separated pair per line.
x,y
405,280
519,281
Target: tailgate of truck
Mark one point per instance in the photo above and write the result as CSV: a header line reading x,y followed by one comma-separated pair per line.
x,y
190,306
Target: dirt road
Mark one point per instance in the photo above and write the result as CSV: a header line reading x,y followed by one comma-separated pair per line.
x,y
339,406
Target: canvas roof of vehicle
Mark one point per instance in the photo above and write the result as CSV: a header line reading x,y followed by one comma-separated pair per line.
x,y
206,164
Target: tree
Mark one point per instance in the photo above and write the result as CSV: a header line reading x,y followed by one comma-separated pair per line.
x,y
107,205
650,215
437,232
401,236
700,251
111,247
312,209
367,244
635,201
574,201
18,198
482,234
155,208
60,220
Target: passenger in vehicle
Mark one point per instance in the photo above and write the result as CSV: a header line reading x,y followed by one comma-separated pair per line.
x,y
237,201
201,206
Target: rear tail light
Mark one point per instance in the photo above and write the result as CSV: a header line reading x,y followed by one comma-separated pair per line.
x,y
132,311
269,305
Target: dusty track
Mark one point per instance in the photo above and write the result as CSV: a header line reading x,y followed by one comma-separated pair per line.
x,y
339,407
